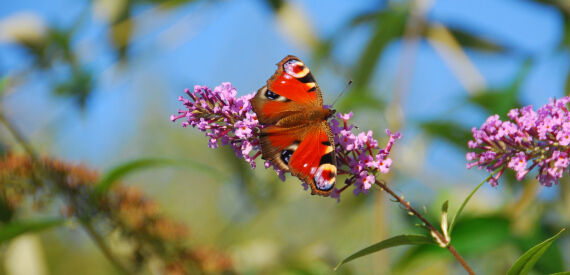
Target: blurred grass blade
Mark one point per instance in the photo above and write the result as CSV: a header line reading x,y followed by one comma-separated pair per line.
x,y
15,229
391,242
469,40
501,101
364,18
389,26
450,131
126,168
525,263
3,84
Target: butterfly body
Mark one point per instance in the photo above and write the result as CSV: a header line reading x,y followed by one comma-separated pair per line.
x,y
295,135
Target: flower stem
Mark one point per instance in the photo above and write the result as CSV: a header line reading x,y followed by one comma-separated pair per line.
x,y
433,230
469,198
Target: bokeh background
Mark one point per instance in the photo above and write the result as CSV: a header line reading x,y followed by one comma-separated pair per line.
x,y
95,82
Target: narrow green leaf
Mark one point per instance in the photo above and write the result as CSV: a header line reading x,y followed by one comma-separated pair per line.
x,y
14,229
124,169
391,242
525,263
561,273
469,198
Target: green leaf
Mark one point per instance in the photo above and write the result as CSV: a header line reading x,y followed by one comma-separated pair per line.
x,y
561,273
15,229
491,232
391,242
552,260
525,263
124,169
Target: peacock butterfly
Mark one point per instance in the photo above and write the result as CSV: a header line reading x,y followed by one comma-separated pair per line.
x,y
295,135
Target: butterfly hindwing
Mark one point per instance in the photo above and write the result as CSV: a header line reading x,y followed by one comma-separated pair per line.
x,y
306,152
314,161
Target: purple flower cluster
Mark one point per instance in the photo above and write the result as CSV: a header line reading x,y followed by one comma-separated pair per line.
x,y
230,120
225,119
531,139
360,153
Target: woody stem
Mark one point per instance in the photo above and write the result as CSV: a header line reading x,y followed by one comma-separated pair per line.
x,y
432,229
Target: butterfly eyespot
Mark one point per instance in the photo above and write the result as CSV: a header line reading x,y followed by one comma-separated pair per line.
x,y
299,67
296,68
324,177
286,156
271,95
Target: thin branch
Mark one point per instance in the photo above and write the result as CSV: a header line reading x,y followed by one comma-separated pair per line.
x,y
103,247
18,136
441,239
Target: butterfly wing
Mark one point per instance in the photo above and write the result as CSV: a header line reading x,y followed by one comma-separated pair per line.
x,y
291,89
305,151
296,137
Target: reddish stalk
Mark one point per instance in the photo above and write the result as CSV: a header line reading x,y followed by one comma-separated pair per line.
x,y
435,233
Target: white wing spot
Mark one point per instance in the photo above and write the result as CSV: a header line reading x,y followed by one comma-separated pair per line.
x,y
313,170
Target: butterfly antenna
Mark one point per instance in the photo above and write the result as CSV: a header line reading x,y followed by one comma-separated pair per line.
x,y
342,92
